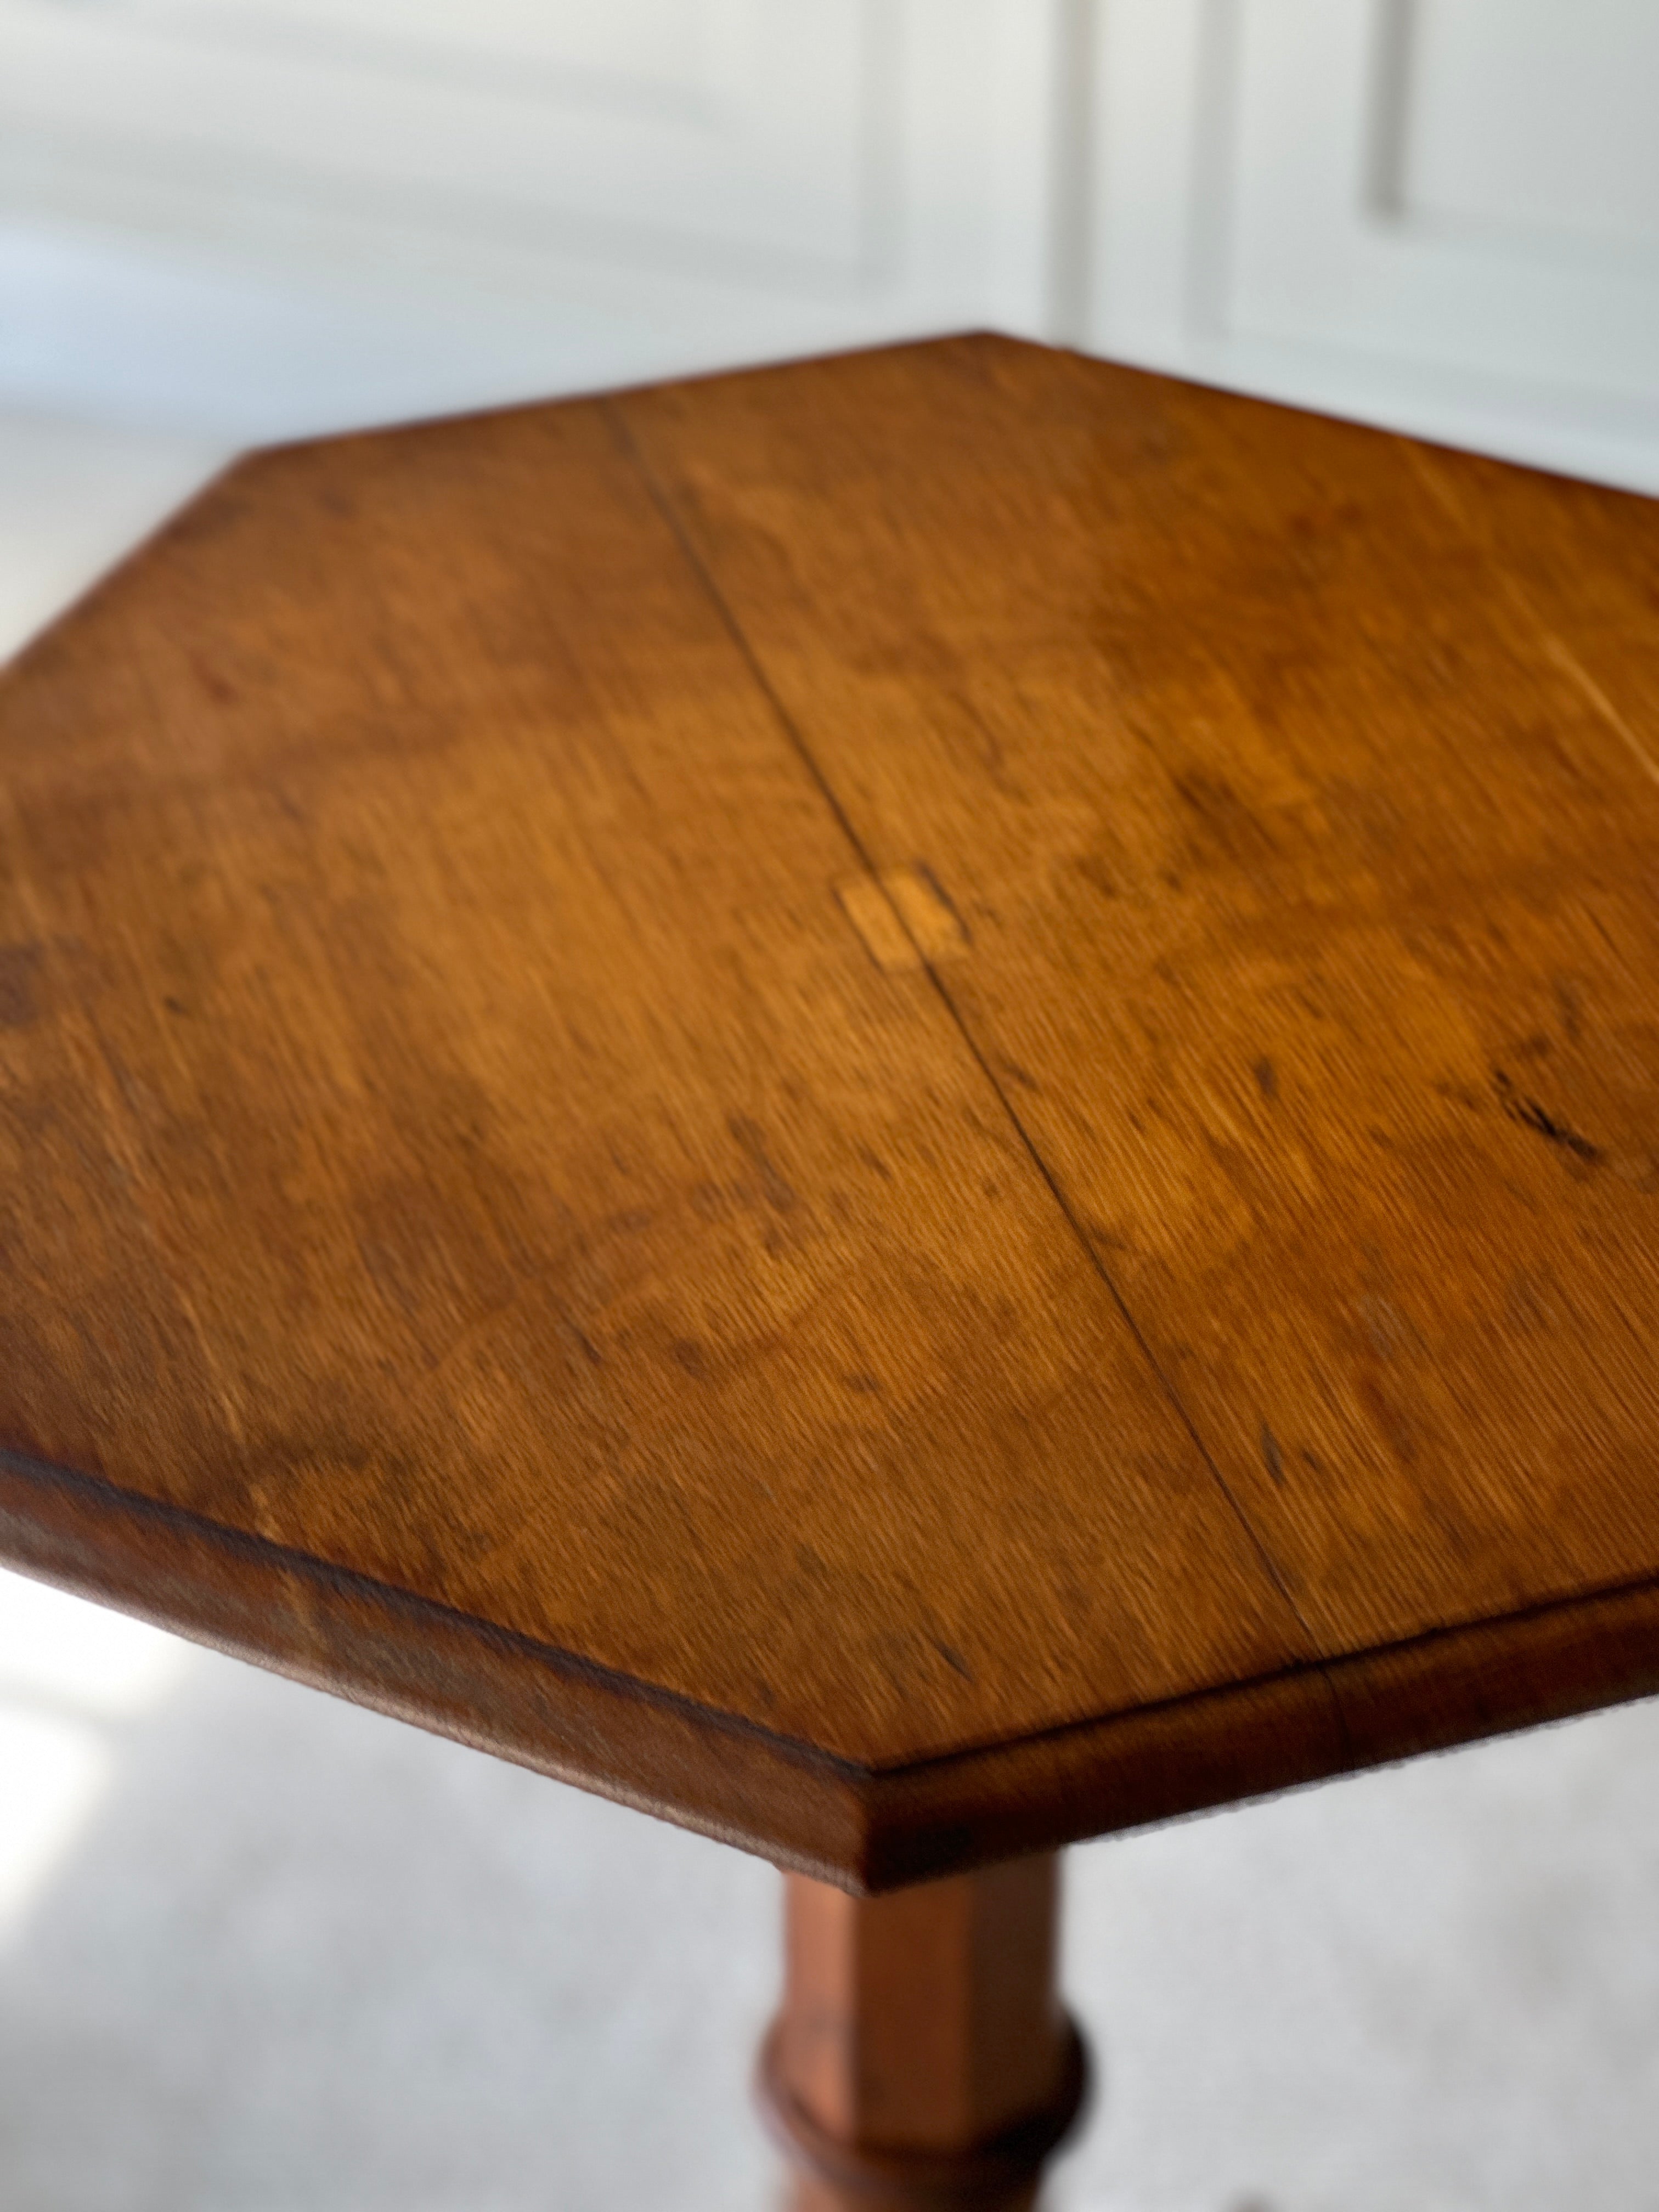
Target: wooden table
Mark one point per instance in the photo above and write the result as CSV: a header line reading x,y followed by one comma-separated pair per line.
x,y
906,1107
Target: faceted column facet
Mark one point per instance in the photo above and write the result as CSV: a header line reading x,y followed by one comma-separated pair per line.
x,y
921,2057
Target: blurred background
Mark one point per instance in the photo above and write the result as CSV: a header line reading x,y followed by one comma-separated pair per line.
x,y
248,218
260,1952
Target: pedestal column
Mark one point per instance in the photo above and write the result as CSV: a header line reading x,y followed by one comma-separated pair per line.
x,y
921,2057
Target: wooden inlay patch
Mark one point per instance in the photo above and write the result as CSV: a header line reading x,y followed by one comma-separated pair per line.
x,y
903,917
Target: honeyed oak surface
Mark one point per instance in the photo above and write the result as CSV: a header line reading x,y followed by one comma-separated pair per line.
x,y
1310,875
907,1106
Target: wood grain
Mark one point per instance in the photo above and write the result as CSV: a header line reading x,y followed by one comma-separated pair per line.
x,y
1310,883
908,1106
492,1163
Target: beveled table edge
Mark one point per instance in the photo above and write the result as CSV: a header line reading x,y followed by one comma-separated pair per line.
x,y
865,1829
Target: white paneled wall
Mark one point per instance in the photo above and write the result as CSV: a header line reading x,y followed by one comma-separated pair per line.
x,y
738,131
264,214
455,200
1438,213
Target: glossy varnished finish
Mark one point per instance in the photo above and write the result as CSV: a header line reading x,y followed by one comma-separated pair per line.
x,y
908,1106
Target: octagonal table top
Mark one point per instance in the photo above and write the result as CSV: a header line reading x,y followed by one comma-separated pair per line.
x,y
908,1106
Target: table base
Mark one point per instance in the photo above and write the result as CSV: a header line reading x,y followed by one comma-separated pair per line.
x,y
921,2057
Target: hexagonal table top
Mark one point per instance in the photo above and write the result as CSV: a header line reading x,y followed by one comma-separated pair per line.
x,y
908,1106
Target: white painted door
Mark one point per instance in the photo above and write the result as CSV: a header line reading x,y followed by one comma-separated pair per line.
x,y
263,216
275,213
1440,213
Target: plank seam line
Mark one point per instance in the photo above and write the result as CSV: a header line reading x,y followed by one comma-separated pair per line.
x,y
614,415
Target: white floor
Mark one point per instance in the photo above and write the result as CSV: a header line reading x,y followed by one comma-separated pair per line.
x,y
261,1953
74,496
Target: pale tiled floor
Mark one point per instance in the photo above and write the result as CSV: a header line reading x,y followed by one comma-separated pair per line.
x,y
261,1953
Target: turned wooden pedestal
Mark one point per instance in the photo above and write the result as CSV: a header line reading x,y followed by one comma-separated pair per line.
x,y
922,2059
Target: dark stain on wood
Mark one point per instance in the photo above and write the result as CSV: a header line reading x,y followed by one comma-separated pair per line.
x,y
1531,1115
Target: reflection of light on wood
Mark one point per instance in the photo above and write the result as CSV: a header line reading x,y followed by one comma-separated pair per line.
x,y
52,1771
57,1648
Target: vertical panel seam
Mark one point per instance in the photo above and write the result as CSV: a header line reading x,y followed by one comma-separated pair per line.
x,y
616,416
